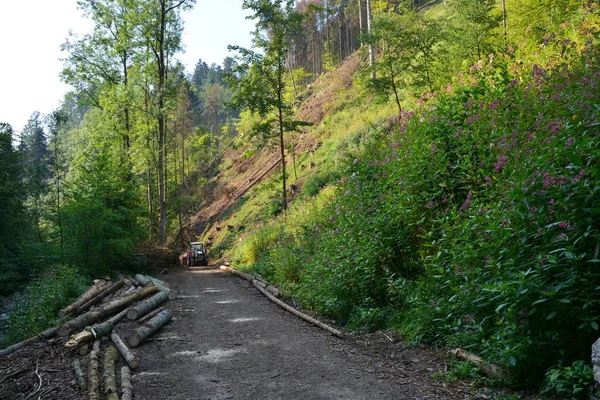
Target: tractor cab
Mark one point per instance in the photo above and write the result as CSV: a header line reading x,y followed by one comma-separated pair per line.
x,y
197,254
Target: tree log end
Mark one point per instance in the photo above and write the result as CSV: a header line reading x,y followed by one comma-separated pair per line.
x,y
132,314
134,340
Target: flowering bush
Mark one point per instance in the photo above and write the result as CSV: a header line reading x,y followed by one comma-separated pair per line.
x,y
476,218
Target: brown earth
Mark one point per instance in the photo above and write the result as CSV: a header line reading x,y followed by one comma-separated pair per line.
x,y
245,173
227,341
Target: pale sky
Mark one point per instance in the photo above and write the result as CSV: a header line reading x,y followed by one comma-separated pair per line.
x,y
31,32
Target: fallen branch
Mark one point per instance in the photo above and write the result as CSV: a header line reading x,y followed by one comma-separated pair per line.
x,y
109,377
127,354
261,286
247,277
39,377
145,331
299,314
488,369
126,386
92,373
79,374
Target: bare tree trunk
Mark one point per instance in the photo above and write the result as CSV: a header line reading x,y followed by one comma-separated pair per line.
x,y
371,51
504,23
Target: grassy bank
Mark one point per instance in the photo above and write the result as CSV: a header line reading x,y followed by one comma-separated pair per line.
x,y
471,221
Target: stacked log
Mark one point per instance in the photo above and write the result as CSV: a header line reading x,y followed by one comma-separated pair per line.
x,y
109,378
145,331
130,358
94,315
92,373
147,305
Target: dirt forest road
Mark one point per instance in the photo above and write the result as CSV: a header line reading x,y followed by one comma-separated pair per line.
x,y
228,341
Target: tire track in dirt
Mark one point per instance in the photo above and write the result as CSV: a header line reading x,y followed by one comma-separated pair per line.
x,y
227,341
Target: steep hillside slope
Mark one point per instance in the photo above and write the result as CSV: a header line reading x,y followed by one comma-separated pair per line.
x,y
245,192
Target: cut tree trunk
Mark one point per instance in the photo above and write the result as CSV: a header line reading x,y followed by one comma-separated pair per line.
x,y
97,331
90,293
144,280
79,323
118,304
79,374
93,316
147,305
47,334
127,354
126,386
158,282
98,298
143,332
109,377
164,286
92,373
150,315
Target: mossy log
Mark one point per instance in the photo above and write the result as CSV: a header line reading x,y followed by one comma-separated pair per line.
x,y
488,369
130,358
147,305
92,372
79,375
109,378
90,293
144,332
126,386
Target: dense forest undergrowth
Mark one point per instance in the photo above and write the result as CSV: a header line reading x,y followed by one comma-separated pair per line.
x,y
447,188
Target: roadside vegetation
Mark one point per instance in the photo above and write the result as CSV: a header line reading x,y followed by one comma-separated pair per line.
x,y
447,188
469,220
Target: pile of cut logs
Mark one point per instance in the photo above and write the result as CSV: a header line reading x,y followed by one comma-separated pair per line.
x,y
93,316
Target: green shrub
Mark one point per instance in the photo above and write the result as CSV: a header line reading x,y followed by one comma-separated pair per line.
x,y
572,382
318,181
36,309
472,221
